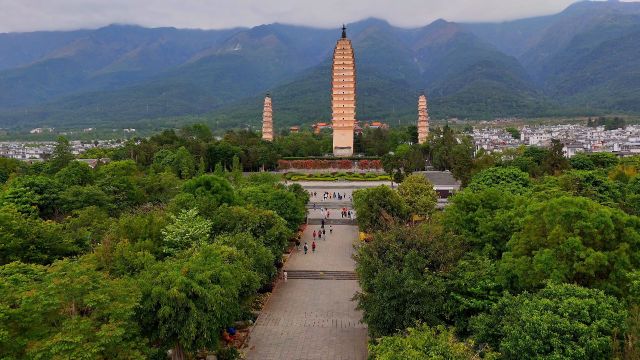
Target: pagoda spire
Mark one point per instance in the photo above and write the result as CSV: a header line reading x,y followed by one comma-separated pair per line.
x,y
267,119
343,96
423,119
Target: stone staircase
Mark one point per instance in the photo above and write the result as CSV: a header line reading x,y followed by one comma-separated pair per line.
x,y
321,275
340,221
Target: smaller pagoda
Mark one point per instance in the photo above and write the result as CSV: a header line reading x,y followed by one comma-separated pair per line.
x,y
423,119
267,119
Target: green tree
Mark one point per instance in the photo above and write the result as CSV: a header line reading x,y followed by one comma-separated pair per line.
x,y
530,161
278,199
425,343
575,240
379,208
186,230
160,188
75,173
34,194
392,166
8,167
265,225
119,180
474,288
632,197
559,322
200,132
509,178
206,193
221,152
77,197
486,218
142,228
582,161
163,160
61,155
68,310
555,161
236,170
403,276
462,160
31,240
591,184
419,195
515,133
187,301
261,258
87,226
184,163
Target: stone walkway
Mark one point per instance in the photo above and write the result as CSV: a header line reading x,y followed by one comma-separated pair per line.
x,y
312,316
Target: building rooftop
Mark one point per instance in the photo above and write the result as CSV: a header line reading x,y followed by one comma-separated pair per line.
x,y
441,178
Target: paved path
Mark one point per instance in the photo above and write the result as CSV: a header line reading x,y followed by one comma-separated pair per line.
x,y
312,316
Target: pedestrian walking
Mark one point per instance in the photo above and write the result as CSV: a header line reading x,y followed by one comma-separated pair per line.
x,y
330,229
324,233
314,234
285,275
313,246
306,248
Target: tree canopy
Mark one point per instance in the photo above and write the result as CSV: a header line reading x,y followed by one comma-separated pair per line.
x,y
379,208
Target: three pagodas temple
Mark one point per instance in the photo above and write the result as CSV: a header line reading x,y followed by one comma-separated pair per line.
x,y
343,102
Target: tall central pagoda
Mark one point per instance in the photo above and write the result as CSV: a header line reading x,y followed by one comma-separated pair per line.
x,y
343,96
267,119
423,119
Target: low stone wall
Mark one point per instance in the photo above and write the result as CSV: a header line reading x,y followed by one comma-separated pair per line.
x,y
330,164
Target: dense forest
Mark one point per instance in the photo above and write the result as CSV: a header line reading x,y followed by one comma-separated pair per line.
x,y
169,243
536,258
136,257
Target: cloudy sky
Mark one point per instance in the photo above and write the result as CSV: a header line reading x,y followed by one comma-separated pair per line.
x,y
29,15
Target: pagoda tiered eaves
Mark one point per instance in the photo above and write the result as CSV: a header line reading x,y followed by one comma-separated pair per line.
x,y
343,97
267,120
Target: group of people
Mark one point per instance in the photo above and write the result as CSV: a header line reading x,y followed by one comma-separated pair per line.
x,y
347,213
330,195
319,234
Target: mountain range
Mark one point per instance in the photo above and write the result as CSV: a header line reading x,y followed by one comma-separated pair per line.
x,y
582,61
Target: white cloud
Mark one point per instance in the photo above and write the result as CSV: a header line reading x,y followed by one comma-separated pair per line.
x,y
29,15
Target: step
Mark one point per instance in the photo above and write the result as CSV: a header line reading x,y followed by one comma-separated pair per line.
x,y
331,222
321,275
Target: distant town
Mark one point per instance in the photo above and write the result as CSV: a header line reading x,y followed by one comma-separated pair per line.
x,y
41,150
575,138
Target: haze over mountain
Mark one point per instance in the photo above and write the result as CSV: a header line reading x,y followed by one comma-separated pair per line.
x,y
585,60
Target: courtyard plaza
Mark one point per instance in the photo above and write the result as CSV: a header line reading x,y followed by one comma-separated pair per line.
x,y
312,314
